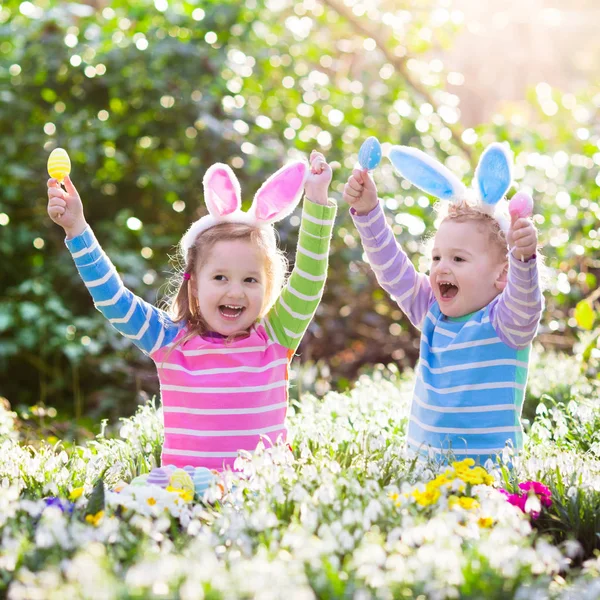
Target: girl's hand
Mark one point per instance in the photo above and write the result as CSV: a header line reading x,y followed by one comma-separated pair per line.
x,y
522,238
318,181
360,192
65,207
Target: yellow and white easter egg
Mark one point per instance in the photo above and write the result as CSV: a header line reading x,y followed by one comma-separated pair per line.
x,y
59,164
181,480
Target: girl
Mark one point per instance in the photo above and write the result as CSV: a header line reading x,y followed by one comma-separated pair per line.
x,y
224,349
478,310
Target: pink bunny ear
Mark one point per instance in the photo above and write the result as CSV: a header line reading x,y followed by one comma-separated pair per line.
x,y
279,195
222,192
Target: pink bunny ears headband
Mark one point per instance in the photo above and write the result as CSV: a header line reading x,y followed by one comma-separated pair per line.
x,y
275,200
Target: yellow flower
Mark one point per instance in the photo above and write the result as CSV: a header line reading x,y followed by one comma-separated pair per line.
x,y
395,498
151,501
95,519
185,495
468,503
467,462
75,493
486,522
442,479
426,498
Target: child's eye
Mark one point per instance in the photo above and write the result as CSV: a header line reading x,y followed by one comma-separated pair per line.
x,y
458,259
435,258
251,280
220,277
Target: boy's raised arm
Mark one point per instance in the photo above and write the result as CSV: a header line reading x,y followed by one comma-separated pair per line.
x,y
393,269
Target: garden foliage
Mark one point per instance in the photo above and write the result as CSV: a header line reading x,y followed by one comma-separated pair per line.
x,y
146,95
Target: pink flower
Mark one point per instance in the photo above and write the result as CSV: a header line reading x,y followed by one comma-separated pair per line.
x,y
528,488
544,494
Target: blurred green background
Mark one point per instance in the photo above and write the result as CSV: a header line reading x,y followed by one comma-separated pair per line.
x,y
146,95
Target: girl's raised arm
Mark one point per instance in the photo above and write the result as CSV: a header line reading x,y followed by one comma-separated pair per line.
x,y
147,326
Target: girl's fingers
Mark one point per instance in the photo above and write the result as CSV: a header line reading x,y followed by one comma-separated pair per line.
x,y
56,192
56,211
53,202
53,182
70,187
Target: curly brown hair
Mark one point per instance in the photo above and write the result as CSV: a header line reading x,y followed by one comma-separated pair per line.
x,y
183,305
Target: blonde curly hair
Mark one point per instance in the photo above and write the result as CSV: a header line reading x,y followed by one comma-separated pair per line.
x,y
464,212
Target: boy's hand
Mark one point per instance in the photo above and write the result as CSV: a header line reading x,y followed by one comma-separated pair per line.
x,y
360,192
522,238
318,180
65,207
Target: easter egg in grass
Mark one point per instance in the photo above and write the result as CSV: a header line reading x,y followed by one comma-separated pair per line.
x,y
521,205
202,479
158,477
369,155
139,480
181,480
59,164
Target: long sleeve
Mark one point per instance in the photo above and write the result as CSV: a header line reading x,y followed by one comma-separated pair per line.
x,y
393,269
147,326
291,314
516,314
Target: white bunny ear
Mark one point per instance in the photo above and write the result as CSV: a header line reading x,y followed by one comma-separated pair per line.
x,y
427,173
493,176
222,192
280,194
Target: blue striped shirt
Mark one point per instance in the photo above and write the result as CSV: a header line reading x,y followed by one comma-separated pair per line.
x,y
472,370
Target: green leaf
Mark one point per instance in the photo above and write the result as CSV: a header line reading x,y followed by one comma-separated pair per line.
x,y
96,501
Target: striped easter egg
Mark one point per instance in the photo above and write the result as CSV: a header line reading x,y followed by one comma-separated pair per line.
x,y
158,477
169,468
59,164
189,470
202,478
181,480
369,155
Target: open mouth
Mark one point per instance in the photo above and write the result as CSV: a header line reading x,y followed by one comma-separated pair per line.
x,y
448,290
230,311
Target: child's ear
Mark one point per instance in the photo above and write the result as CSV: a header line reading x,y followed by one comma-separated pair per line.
x,y
502,278
192,288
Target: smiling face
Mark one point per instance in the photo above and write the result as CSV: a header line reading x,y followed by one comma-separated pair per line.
x,y
230,286
468,269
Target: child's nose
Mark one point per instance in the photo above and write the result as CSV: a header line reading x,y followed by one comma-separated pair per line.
x,y
236,289
444,265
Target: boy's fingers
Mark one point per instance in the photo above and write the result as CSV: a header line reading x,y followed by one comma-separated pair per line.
x,y
358,175
355,184
349,191
53,182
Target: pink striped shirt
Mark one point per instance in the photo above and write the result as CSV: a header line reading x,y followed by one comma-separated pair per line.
x,y
218,396
210,412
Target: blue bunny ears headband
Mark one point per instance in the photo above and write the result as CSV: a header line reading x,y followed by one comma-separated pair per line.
x,y
493,178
